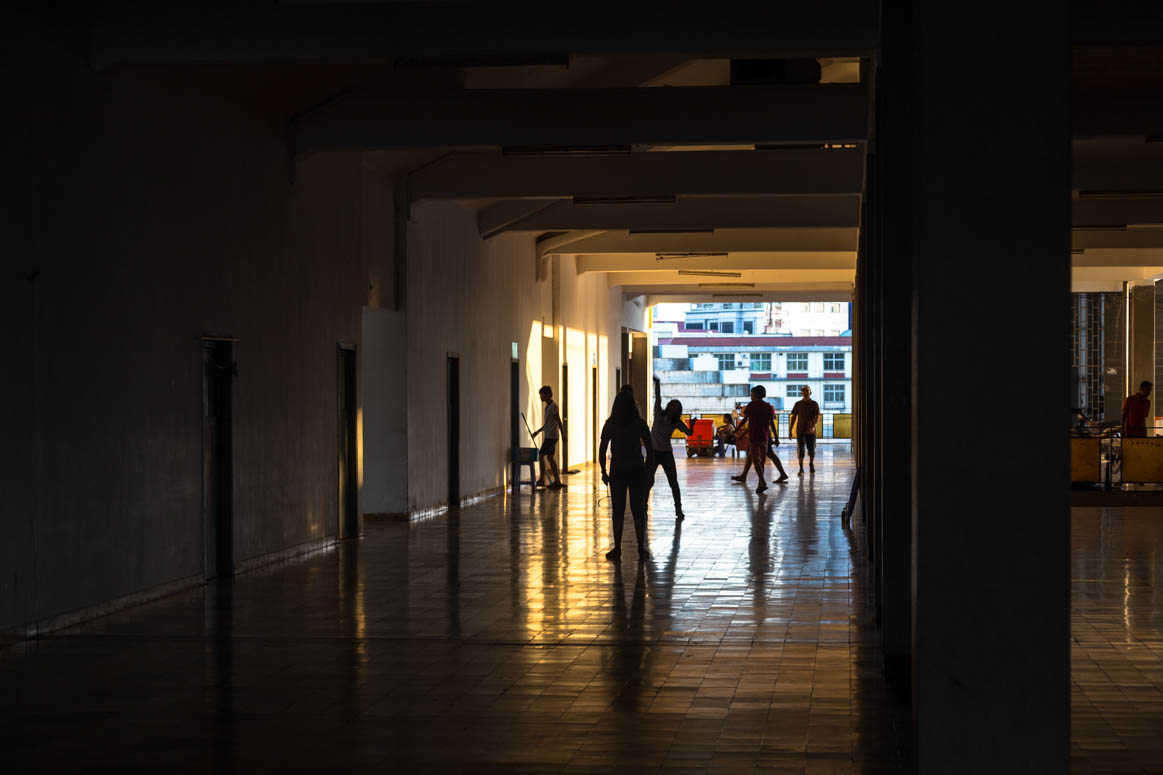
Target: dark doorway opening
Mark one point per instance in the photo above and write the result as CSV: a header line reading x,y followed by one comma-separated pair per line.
x,y
217,457
348,444
452,382
564,417
514,407
617,381
594,407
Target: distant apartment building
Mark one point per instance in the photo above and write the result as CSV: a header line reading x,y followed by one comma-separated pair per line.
x,y
712,371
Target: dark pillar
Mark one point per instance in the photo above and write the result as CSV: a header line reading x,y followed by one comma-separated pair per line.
x,y
990,179
892,149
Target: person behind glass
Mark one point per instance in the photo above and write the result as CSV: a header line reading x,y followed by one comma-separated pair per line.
x,y
627,434
805,414
760,419
743,433
1136,410
724,435
666,422
552,428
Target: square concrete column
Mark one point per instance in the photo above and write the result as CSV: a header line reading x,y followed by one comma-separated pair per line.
x,y
990,180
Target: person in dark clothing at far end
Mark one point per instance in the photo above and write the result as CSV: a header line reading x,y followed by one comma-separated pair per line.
x,y
666,422
804,415
758,429
627,433
1136,410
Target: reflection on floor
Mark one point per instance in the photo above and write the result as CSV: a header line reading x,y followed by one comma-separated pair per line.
x,y
1117,644
498,638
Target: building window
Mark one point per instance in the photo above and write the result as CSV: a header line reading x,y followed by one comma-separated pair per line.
x,y
793,391
694,326
727,326
833,361
749,326
833,307
726,361
818,332
817,306
797,362
833,394
761,362
712,325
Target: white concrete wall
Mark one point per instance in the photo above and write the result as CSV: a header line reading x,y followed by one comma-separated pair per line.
x,y
152,211
475,298
385,412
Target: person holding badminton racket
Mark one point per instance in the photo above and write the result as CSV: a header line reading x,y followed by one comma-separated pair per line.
x,y
627,433
552,428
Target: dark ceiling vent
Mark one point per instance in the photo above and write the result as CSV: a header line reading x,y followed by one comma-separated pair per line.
x,y
774,72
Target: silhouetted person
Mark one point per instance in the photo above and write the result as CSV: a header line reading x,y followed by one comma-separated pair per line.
x,y
760,419
666,422
742,434
552,428
627,433
1136,410
805,414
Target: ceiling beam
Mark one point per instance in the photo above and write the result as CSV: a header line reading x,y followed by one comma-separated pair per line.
x,y
505,215
1117,116
637,262
684,213
720,241
826,113
1150,237
689,297
1096,258
782,278
1118,165
1119,211
799,172
190,32
830,291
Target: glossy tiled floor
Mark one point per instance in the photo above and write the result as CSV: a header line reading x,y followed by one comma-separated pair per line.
x,y
497,638
1117,648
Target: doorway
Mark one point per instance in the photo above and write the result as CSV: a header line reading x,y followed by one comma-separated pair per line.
x,y
348,444
594,407
452,383
218,371
564,418
514,407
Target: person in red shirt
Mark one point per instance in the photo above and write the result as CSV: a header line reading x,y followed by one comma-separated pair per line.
x,y
1136,410
760,419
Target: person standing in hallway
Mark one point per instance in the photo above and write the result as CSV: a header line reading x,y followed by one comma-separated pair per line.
x,y
760,419
627,433
552,428
743,434
804,416
1136,410
666,422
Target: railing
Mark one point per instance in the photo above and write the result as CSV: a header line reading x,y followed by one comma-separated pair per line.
x,y
832,425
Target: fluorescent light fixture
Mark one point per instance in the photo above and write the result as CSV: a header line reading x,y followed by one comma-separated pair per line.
x,y
624,200
634,232
1122,194
670,256
565,150
707,273
726,285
